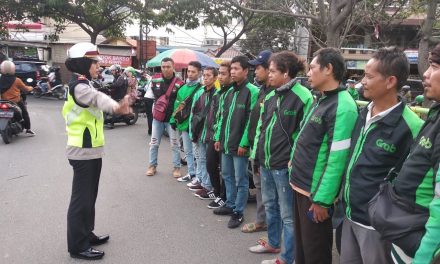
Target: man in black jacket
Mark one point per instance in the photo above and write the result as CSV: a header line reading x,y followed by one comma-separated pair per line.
x,y
383,133
232,139
261,76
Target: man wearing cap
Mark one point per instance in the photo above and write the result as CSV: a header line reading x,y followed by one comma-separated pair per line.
x,y
85,147
406,94
352,89
261,75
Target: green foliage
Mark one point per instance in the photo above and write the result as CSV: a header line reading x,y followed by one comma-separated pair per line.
x,y
274,33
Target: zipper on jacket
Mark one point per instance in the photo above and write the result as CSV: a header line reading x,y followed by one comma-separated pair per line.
x,y
356,153
228,122
267,136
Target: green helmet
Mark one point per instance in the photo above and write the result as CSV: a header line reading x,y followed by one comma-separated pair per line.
x,y
130,69
419,99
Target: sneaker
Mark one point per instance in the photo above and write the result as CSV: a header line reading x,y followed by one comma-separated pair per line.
x,y
185,178
272,261
217,203
30,132
263,247
205,194
235,220
176,172
196,188
151,171
194,182
223,211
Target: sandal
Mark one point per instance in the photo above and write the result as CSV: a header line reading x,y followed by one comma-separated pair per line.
x,y
252,227
264,247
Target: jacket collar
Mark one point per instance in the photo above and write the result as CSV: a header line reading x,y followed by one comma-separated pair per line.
x,y
391,119
433,113
238,87
332,92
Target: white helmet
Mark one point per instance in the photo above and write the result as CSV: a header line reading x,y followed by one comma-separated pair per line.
x,y
7,67
83,50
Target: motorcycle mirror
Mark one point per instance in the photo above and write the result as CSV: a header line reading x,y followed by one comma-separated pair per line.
x,y
29,80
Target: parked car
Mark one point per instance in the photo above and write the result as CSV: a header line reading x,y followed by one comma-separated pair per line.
x,y
31,69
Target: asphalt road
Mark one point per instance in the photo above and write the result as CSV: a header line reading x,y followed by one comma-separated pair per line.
x,y
150,219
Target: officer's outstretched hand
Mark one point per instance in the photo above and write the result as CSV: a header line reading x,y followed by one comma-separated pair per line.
x,y
123,107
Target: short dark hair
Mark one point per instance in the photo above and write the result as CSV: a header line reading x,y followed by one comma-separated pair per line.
x,y
435,54
212,69
195,64
287,62
167,59
243,60
334,57
392,62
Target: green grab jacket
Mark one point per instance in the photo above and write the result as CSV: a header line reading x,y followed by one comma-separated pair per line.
x,y
280,115
182,94
321,150
234,111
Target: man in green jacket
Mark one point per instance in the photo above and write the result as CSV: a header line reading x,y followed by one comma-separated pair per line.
x,y
180,121
231,138
319,157
352,89
384,132
418,182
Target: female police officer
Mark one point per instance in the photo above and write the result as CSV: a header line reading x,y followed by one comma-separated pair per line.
x,y
83,113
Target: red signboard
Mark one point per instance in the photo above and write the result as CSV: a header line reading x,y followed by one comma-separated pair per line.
x,y
108,60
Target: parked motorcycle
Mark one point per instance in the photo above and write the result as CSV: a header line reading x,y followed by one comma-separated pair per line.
x,y
11,120
110,119
59,91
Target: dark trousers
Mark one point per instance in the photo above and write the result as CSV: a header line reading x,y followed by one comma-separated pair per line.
x,y
213,168
81,213
150,103
313,241
25,115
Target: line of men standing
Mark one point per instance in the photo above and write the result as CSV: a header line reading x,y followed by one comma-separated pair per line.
x,y
305,151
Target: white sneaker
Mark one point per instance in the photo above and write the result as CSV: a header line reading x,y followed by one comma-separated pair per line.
x,y
185,178
193,183
271,261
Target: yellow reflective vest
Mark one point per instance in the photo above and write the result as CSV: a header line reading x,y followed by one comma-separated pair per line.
x,y
84,125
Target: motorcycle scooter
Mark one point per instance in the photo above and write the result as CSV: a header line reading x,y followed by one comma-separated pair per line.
x,y
59,91
11,120
111,119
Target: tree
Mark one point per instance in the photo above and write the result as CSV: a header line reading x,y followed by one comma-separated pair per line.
x,y
232,21
426,34
325,20
15,10
276,34
107,17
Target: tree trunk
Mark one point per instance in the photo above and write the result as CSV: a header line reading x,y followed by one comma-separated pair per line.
x,y
426,33
333,37
93,37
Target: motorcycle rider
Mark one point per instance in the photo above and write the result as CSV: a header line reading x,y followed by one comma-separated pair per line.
x,y
119,86
11,87
54,78
83,113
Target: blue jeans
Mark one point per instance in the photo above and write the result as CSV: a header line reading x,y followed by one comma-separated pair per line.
x,y
156,136
201,171
278,201
234,173
188,148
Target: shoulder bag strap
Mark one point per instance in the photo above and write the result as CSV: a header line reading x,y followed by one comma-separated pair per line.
x,y
170,88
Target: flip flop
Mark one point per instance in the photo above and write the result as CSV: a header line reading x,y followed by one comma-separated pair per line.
x,y
252,227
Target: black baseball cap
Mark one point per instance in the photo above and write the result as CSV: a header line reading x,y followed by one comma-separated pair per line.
x,y
263,57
